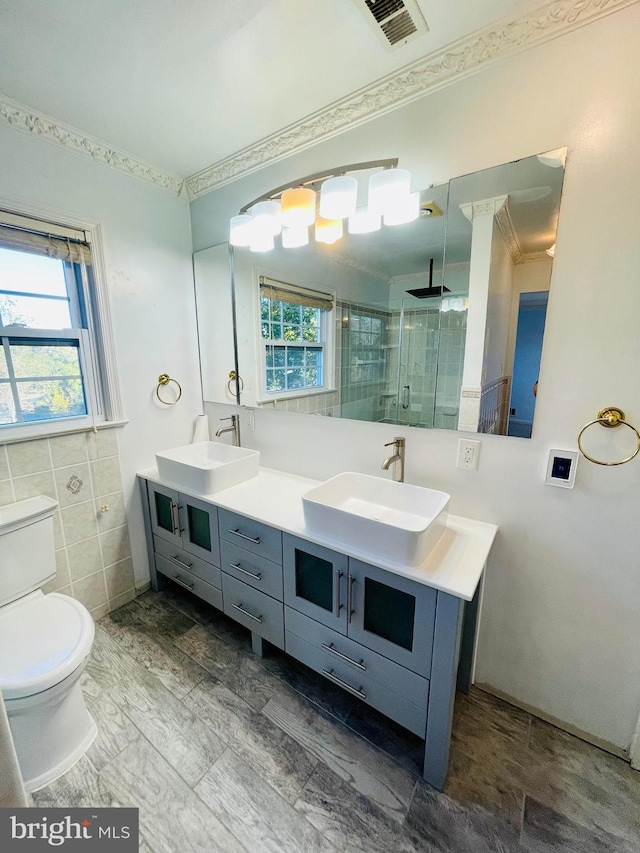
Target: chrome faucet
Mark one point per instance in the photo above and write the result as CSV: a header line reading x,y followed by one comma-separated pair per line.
x,y
234,428
397,460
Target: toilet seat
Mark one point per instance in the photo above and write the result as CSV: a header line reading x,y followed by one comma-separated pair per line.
x,y
42,641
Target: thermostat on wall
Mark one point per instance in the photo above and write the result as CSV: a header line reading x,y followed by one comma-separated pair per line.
x,y
561,468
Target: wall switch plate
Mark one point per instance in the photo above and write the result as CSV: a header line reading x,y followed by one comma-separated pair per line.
x,y
468,453
251,420
561,468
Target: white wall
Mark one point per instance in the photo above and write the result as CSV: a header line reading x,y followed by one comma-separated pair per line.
x,y
560,630
147,248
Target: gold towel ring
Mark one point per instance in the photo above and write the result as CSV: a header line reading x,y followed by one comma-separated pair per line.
x,y
235,377
609,417
165,379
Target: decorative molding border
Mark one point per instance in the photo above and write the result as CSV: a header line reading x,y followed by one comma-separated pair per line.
x,y
441,68
24,118
455,61
505,224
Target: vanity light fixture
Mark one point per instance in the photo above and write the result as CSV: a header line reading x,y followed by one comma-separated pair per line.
x,y
326,199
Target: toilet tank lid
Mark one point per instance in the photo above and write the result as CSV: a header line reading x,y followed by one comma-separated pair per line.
x,y
17,514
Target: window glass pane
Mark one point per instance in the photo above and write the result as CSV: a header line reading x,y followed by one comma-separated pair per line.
x,y
7,407
3,363
45,359
51,398
295,356
295,379
34,312
31,273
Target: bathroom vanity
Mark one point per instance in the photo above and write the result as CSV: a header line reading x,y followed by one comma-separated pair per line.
x,y
396,637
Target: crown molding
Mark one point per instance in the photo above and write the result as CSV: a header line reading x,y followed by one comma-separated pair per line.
x,y
505,224
493,43
28,120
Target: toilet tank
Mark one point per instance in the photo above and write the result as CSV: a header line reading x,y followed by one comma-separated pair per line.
x,y
27,551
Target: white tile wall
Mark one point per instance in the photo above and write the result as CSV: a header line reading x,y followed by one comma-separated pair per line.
x,y
93,554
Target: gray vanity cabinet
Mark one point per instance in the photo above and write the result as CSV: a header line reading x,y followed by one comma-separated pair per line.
x,y
386,613
187,522
184,541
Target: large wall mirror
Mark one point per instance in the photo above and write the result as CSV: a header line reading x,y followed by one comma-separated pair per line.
x,y
435,323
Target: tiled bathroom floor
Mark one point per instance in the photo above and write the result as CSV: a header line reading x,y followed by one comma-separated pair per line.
x,y
223,751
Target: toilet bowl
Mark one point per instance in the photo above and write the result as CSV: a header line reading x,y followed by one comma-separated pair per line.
x,y
45,642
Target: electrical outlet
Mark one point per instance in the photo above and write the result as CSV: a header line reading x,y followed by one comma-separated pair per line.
x,y
468,453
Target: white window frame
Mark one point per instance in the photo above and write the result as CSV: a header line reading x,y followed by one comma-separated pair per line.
x,y
96,346
327,346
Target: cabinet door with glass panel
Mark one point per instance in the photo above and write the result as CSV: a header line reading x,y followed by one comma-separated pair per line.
x,y
391,615
187,522
315,581
385,612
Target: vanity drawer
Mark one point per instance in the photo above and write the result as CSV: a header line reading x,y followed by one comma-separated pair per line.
x,y
336,648
194,584
259,612
251,535
253,569
184,561
360,684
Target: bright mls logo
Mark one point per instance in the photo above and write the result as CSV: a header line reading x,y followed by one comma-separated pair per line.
x,y
81,830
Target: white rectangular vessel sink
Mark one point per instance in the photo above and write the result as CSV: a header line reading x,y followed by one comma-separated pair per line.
x,y
208,466
393,521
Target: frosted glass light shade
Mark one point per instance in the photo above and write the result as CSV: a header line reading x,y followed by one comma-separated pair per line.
x,y
338,197
386,187
240,229
294,237
261,242
364,222
265,217
298,207
328,230
403,210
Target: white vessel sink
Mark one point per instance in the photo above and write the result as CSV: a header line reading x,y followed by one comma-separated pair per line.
x,y
388,520
207,466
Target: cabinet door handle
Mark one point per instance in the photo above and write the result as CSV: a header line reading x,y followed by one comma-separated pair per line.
x,y
255,575
338,602
176,559
358,663
246,612
188,586
175,518
255,540
350,610
328,673
405,396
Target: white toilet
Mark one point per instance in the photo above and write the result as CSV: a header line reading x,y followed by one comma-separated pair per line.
x,y
45,642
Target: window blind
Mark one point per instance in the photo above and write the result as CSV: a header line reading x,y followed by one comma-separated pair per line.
x,y
22,235
281,291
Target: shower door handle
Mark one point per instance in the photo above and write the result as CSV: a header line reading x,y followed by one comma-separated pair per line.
x,y
405,396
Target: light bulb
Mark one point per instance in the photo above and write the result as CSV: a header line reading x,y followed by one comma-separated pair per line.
x,y
386,188
292,238
364,222
240,228
338,197
265,217
403,210
328,230
298,207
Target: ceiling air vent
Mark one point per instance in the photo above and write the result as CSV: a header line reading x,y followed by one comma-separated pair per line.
x,y
394,21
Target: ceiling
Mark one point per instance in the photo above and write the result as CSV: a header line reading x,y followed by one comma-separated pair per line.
x,y
183,84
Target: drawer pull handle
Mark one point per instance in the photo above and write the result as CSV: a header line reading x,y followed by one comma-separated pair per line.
x,y
328,673
176,559
338,602
255,575
255,540
246,612
358,663
188,586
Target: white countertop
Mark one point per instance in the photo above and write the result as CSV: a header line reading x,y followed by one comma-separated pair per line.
x,y
275,498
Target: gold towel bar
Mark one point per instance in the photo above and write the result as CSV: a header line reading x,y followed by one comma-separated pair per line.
x,y
609,417
165,379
